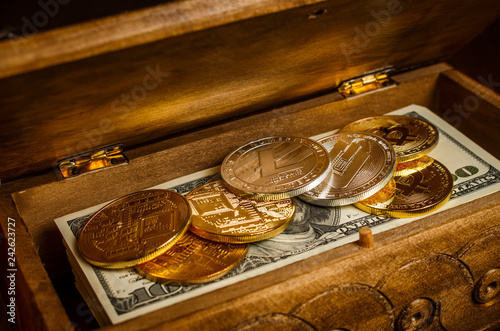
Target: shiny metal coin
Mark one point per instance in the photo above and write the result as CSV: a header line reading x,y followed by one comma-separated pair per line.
x,y
409,167
220,215
411,137
362,164
417,194
274,168
134,228
387,192
193,260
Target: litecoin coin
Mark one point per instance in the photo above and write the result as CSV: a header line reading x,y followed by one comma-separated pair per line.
x,y
220,215
411,137
362,164
134,228
417,194
275,168
193,260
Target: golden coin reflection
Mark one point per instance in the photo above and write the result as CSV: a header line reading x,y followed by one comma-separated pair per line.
x,y
411,137
134,228
417,194
193,260
223,216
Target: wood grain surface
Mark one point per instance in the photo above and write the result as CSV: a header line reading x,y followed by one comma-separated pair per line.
x,y
123,30
479,60
470,107
141,87
24,17
38,307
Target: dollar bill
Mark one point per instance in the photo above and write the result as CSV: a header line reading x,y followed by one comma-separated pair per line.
x,y
118,295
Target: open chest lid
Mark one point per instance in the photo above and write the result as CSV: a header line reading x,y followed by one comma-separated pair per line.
x,y
147,74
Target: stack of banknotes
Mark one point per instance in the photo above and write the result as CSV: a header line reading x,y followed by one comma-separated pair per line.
x,y
272,202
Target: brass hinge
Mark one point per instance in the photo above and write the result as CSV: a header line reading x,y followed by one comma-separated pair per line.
x,y
366,83
91,161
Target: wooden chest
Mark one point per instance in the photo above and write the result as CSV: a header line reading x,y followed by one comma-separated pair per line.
x,y
180,84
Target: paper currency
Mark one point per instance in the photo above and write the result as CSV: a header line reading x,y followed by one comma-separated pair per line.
x,y
118,295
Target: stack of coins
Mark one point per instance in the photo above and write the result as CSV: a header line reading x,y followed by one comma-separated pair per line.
x,y
148,230
379,164
222,216
411,137
422,184
275,168
361,165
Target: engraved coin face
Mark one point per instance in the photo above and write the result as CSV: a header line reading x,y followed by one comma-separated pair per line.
x,y
411,137
193,260
134,228
275,168
416,194
362,164
223,216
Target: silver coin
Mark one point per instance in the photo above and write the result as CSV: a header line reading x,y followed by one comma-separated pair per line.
x,y
361,165
275,168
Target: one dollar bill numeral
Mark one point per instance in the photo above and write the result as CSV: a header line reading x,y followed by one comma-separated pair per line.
x,y
464,172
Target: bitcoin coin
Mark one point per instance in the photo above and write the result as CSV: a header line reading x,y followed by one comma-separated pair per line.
x,y
223,216
134,228
274,168
386,193
417,194
193,260
409,167
411,137
362,164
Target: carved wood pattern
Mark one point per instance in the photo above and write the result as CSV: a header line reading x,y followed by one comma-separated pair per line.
x,y
328,310
275,321
436,291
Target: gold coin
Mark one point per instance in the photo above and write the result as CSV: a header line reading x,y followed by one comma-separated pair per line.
x,y
134,228
362,164
223,216
275,168
417,194
411,137
409,167
193,260
387,192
